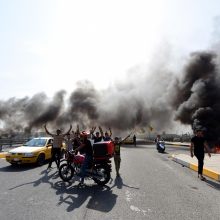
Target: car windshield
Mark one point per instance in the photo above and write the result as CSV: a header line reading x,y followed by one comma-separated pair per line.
x,y
36,143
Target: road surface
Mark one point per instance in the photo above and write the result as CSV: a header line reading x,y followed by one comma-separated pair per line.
x,y
151,186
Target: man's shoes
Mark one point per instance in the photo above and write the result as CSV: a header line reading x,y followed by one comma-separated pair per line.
x,y
118,174
202,178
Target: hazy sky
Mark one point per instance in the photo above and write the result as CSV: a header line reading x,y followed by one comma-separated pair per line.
x,y
48,45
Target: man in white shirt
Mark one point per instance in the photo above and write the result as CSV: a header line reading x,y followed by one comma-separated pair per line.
x,y
58,139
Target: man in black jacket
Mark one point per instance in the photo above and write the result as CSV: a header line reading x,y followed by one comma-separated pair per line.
x,y
86,146
198,143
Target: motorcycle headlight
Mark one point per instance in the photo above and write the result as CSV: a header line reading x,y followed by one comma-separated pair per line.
x,y
28,154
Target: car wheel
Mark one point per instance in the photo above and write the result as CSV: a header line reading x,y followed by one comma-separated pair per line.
x,y
40,159
14,164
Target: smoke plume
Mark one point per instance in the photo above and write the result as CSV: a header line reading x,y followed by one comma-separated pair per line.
x,y
198,94
156,97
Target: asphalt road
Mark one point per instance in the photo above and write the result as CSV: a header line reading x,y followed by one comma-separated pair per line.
x,y
151,187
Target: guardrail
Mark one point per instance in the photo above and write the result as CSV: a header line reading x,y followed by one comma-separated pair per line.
x,y
7,142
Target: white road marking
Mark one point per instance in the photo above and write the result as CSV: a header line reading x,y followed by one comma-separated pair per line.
x,y
128,196
134,208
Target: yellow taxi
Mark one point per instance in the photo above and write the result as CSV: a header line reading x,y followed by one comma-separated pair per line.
x,y
37,150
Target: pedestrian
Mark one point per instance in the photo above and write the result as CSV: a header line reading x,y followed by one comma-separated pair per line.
x,y
58,140
198,144
97,137
69,142
86,146
76,138
107,136
134,140
117,154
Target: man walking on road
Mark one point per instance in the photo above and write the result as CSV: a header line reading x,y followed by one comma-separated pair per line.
x,y
58,139
198,143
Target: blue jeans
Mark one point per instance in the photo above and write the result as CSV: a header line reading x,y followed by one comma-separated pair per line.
x,y
87,161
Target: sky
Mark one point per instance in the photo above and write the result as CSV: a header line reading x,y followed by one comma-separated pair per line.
x,y
49,45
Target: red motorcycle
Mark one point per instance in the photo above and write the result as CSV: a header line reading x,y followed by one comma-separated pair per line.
x,y
100,170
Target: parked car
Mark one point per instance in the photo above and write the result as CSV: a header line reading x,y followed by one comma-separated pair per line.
x,y
37,150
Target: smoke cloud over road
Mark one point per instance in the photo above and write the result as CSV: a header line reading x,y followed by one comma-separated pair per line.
x,y
134,103
156,97
198,94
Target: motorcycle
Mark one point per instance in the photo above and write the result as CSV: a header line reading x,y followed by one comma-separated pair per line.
x,y
100,170
160,146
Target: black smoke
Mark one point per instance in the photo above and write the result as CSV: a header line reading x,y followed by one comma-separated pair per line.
x,y
198,94
154,97
134,103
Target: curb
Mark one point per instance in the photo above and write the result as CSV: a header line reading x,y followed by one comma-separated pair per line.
x,y
207,172
177,144
3,154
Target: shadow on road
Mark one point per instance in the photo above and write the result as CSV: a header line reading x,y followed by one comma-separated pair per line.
x,y
119,184
17,168
101,198
44,179
213,184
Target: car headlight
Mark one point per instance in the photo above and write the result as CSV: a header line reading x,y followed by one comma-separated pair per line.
x,y
28,154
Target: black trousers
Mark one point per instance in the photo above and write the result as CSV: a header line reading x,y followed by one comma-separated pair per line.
x,y
200,158
117,159
55,156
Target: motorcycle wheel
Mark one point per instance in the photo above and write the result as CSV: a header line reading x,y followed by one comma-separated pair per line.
x,y
161,150
104,173
66,172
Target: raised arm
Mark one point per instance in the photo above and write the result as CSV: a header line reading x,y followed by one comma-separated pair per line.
x,y
45,127
101,131
68,130
92,131
110,132
77,129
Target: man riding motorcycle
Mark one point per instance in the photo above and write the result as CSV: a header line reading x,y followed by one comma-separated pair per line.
x,y
160,144
86,146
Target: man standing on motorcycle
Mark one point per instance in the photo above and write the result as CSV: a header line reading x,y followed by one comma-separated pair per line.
x,y
117,154
58,140
86,146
